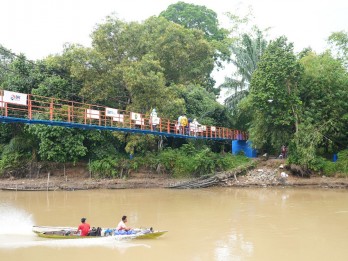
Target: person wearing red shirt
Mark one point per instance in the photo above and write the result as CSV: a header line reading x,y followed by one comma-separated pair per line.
x,y
84,228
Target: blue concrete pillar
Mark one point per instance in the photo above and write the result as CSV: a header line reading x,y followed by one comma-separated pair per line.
x,y
245,146
335,157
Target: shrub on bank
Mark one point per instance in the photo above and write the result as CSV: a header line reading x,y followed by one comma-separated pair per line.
x,y
329,168
185,162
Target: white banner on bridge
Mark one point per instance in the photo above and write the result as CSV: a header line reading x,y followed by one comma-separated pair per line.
x,y
15,98
111,112
135,116
92,114
140,122
213,128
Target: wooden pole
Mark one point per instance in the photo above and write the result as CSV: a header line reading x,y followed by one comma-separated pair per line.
x,y
48,179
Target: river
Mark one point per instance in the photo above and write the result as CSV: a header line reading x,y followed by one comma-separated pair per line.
x,y
208,224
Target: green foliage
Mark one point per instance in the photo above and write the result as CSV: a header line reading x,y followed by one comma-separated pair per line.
x,y
146,84
229,161
329,168
302,150
339,46
247,52
106,167
18,151
140,144
342,162
10,160
22,76
202,105
203,19
188,162
7,131
323,92
116,166
195,17
59,144
101,144
274,96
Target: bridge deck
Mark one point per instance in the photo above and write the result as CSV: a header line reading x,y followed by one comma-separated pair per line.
x,y
33,109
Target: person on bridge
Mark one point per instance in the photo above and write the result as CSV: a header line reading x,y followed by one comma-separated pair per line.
x,y
194,127
154,119
179,124
83,228
183,124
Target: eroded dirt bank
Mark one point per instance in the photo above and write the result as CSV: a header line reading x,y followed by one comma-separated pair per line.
x,y
266,174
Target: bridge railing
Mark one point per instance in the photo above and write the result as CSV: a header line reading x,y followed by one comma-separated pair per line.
x,y
53,109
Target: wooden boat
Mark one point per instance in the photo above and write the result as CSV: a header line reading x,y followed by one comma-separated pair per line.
x,y
70,233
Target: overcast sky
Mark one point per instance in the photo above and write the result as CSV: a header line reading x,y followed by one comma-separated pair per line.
x,y
38,28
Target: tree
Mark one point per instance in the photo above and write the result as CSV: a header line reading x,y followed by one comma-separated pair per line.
x,y
59,144
202,105
181,55
323,92
201,18
146,84
339,46
22,75
274,95
246,53
58,80
195,17
184,54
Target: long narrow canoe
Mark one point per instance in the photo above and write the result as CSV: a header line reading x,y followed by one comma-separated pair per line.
x,y
70,233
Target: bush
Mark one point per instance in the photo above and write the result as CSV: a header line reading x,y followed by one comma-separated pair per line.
x,y
9,161
187,162
106,167
229,161
342,162
329,168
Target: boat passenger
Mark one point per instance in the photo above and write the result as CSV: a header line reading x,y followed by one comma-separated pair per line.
x,y
122,224
83,228
122,228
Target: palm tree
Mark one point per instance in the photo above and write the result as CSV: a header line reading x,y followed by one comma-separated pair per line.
x,y
246,52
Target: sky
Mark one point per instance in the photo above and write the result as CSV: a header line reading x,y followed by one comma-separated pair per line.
x,y
38,28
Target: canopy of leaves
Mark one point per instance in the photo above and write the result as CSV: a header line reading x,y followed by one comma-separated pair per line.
x,y
201,18
59,144
274,97
323,92
195,17
339,45
246,53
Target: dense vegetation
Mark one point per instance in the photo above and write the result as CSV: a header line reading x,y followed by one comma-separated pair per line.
x,y
166,62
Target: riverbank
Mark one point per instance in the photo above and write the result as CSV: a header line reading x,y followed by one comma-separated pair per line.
x,y
265,174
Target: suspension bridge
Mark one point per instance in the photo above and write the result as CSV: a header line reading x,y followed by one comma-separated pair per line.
x,y
35,109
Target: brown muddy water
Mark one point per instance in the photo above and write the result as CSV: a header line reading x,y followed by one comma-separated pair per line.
x,y
208,224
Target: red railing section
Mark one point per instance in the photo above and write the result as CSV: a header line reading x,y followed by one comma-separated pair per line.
x,y
53,109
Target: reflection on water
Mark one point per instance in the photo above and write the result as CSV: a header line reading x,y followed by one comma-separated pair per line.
x,y
210,224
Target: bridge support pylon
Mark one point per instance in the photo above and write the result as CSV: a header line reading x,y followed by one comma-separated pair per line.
x,y
244,146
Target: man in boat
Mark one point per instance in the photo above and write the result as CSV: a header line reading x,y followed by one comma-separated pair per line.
x,y
122,224
83,228
122,229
